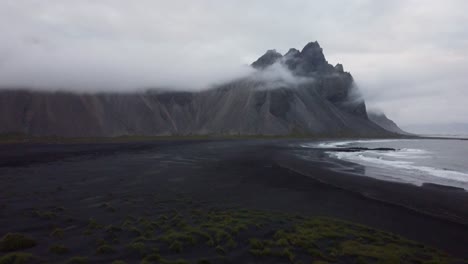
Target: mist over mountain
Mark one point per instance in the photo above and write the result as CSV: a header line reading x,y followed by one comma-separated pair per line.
x,y
298,93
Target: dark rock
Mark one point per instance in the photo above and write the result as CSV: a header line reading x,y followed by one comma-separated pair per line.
x,y
387,124
339,67
384,149
269,58
313,58
292,52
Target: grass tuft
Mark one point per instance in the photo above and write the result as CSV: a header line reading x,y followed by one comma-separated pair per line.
x,y
138,248
93,224
58,249
104,249
220,250
176,246
203,261
57,233
17,258
16,241
155,257
77,260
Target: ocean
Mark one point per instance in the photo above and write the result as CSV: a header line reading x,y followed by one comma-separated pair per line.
x,y
413,161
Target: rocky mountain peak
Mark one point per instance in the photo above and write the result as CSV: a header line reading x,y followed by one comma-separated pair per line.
x,y
313,58
306,62
267,59
311,46
339,67
292,52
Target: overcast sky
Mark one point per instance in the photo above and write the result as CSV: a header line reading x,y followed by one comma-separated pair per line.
x,y
409,57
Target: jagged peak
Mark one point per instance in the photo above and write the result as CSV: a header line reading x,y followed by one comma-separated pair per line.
x,y
267,59
292,52
339,67
308,61
313,51
273,52
311,45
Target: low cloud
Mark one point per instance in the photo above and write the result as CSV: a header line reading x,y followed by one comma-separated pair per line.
x,y
408,57
124,66
277,75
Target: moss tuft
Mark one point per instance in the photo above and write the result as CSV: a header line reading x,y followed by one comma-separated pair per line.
x,y
155,257
176,246
17,258
77,260
220,250
93,224
58,249
203,261
137,247
16,241
231,243
288,253
177,261
256,243
112,229
44,214
57,233
104,249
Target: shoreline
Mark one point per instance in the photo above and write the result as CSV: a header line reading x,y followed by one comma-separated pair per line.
x,y
17,139
429,198
376,169
26,139
441,216
253,174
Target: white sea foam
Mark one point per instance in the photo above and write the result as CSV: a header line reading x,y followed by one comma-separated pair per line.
x,y
337,144
415,161
409,170
404,153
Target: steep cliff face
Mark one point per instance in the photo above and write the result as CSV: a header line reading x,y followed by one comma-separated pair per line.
x,y
383,121
318,99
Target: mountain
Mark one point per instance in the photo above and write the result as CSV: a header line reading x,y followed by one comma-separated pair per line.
x,y
382,120
299,93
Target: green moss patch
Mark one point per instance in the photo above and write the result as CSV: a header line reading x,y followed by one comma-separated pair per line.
x,y
138,248
58,249
17,258
330,240
218,236
77,260
57,233
16,241
105,249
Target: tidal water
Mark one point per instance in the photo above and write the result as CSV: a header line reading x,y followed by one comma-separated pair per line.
x,y
413,161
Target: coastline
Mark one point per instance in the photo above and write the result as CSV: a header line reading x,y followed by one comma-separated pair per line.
x,y
439,201
253,174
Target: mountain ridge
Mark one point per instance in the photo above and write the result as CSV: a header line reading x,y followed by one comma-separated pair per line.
x,y
314,99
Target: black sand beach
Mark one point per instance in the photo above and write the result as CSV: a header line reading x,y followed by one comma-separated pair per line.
x,y
55,193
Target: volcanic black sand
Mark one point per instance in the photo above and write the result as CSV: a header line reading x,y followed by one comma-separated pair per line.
x,y
216,201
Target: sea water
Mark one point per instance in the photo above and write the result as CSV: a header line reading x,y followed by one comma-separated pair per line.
x,y
414,161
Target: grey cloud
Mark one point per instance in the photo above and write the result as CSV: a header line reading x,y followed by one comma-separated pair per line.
x,y
407,56
277,75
